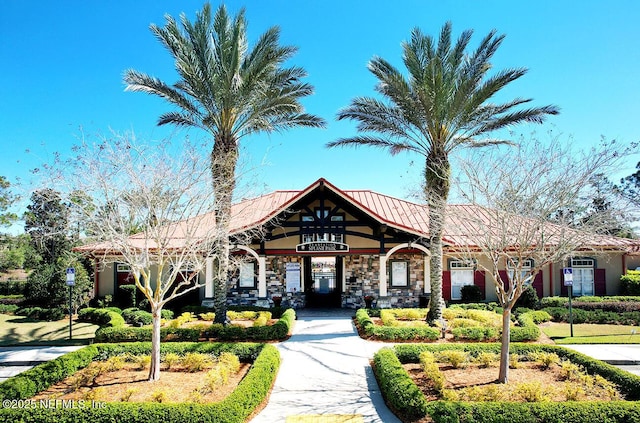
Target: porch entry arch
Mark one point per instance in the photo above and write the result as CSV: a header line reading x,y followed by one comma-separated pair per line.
x,y
383,266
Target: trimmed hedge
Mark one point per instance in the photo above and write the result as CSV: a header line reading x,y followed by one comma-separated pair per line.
x,y
390,375
278,331
401,394
236,408
101,316
39,313
394,333
561,314
32,381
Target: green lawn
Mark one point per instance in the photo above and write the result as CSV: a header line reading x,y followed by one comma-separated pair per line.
x,y
18,330
592,334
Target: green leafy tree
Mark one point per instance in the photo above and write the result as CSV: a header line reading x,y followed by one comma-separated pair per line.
x,y
46,222
47,284
230,91
7,199
445,103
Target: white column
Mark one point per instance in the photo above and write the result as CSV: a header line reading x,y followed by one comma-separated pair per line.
x,y
383,276
427,275
262,277
208,277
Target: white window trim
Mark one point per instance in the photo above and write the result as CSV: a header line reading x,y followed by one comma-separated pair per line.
x,y
459,266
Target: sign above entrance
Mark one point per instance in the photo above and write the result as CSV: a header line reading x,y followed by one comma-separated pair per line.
x,y
321,247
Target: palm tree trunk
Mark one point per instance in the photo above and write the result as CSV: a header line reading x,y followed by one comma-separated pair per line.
x,y
437,173
503,376
154,368
223,165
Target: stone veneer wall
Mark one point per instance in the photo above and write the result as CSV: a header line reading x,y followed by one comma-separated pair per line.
x,y
362,277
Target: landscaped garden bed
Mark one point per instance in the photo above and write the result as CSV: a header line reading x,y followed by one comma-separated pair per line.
x,y
457,382
202,382
459,324
247,326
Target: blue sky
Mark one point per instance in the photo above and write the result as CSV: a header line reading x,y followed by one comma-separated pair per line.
x,y
62,64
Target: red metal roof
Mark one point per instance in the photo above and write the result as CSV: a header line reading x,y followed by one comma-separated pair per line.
x,y
461,221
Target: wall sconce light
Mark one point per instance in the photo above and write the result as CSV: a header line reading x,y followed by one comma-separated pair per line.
x,y
370,263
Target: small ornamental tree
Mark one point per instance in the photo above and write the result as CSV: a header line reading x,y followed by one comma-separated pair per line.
x,y
151,208
524,203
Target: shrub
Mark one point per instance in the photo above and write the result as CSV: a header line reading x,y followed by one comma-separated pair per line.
x,y
432,371
8,308
397,387
630,283
456,358
471,294
195,362
129,295
209,316
475,334
487,359
38,313
528,298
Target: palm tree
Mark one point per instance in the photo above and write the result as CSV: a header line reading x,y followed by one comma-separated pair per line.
x,y
230,91
445,103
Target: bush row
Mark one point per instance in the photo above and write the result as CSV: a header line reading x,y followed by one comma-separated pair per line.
x,y
8,308
277,331
32,381
276,312
564,301
561,314
387,333
39,313
100,316
236,408
13,287
392,377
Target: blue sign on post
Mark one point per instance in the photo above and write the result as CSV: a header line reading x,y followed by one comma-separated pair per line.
x,y
71,276
568,276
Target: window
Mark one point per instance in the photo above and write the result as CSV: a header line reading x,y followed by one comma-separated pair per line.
x,y
461,275
525,269
399,273
322,227
583,276
247,275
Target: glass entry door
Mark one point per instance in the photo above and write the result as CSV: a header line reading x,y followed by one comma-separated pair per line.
x,y
322,282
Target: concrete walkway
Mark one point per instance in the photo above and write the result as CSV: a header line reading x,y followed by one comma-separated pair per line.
x,y
14,360
325,370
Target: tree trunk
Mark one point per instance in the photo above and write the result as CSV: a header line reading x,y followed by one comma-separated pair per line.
x,y
437,171
223,165
154,368
503,376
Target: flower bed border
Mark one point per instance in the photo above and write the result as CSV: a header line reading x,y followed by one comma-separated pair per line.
x,y
408,402
250,393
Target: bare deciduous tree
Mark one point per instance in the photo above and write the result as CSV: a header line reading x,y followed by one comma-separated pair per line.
x,y
149,206
523,203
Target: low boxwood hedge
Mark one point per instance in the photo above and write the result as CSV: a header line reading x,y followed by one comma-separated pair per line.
x,y
278,331
101,316
526,331
236,408
411,406
394,333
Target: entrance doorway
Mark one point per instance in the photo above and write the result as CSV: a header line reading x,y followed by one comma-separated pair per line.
x,y
323,282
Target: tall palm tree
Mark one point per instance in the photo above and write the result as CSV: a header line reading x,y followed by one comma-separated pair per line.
x,y
229,90
445,103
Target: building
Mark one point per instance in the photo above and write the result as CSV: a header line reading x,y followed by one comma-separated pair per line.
x,y
327,247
